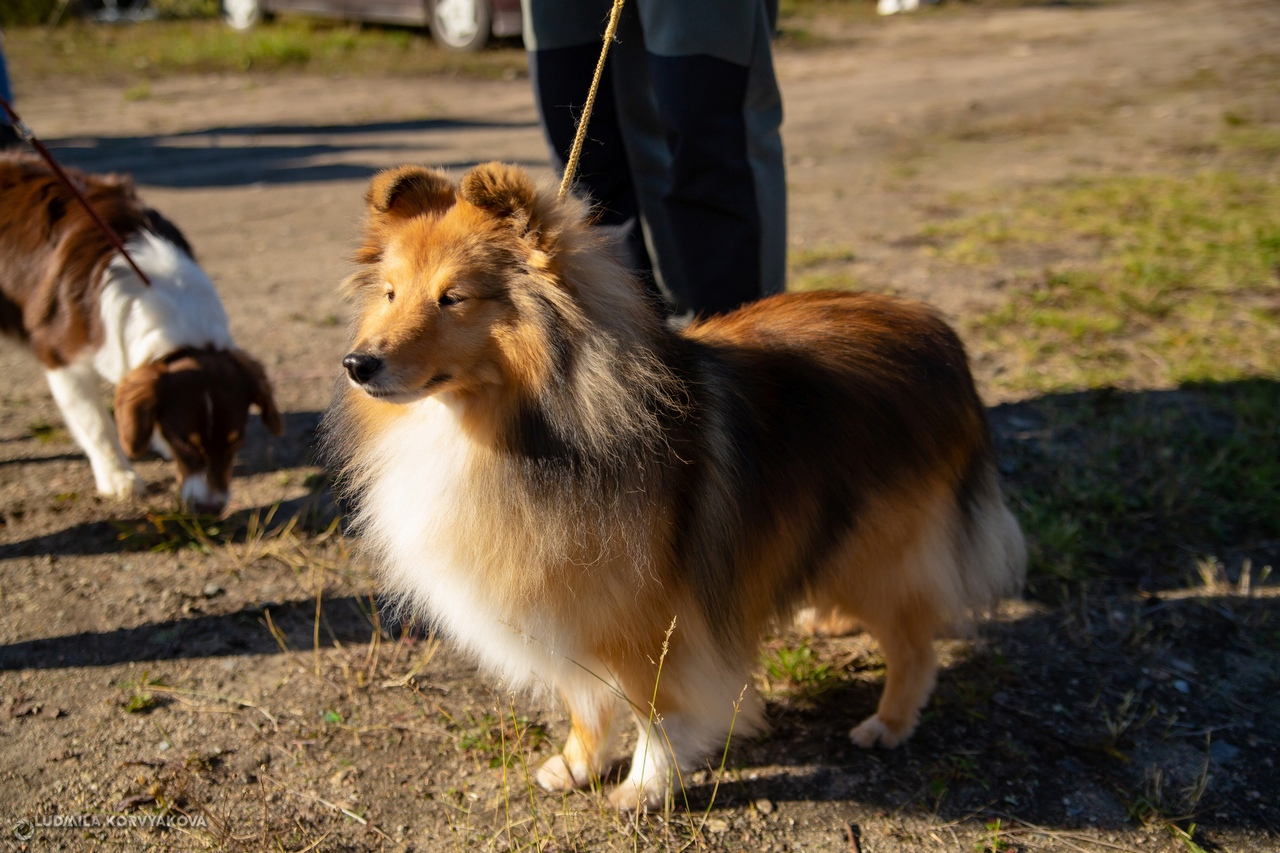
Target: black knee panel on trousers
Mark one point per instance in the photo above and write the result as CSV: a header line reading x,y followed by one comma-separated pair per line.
x,y
711,196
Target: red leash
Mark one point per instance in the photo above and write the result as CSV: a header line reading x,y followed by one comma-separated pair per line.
x,y
30,139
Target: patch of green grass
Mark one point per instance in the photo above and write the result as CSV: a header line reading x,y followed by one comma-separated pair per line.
x,y
162,532
994,840
138,91
1133,486
1122,286
1122,722
26,12
821,268
156,49
138,696
1142,281
807,23
1157,807
498,741
798,671
1245,138
949,771
824,281
805,259
43,431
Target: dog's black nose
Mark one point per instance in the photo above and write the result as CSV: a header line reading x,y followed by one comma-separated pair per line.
x,y
360,366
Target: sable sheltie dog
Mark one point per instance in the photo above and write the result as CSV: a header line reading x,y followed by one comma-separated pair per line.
x,y
557,479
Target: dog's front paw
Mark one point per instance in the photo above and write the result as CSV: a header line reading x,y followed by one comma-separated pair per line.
x,y
872,731
631,796
123,484
556,774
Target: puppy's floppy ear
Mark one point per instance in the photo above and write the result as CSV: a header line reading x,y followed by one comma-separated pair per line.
x,y
261,396
504,191
135,405
409,191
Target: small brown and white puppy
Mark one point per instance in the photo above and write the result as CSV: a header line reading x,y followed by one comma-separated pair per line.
x,y
590,501
181,384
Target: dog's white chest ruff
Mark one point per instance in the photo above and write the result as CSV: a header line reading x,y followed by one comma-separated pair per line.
x,y
419,515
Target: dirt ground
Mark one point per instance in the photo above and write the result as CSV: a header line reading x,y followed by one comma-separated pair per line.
x,y
239,674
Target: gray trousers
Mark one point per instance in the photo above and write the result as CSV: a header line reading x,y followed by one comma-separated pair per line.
x,y
651,35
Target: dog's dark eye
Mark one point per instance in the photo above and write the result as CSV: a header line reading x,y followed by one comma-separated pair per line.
x,y
447,299
391,296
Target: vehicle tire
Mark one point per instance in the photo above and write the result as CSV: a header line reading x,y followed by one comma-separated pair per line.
x,y
242,14
460,25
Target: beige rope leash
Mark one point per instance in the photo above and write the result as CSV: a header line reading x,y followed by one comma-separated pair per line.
x,y
571,167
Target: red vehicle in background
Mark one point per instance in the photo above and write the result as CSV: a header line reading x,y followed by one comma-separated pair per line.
x,y
460,25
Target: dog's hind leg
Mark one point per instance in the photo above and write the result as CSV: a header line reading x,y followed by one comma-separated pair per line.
x,y
825,621
78,395
905,636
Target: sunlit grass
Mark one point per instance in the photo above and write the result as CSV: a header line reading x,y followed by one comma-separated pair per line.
x,y
1149,281
289,45
1126,289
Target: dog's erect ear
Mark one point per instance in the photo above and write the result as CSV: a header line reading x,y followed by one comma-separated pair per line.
x,y
505,191
409,191
261,392
136,407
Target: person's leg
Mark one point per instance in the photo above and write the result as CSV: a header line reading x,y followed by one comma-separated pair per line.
x,y
764,149
711,193
561,78
8,136
647,154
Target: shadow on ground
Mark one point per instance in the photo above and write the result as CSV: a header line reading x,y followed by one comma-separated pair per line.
x,y
272,154
244,632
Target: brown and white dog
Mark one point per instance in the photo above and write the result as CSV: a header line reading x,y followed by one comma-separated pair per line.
x,y
181,385
590,501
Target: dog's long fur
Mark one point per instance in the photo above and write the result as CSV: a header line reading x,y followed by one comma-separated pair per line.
x,y
181,384
557,478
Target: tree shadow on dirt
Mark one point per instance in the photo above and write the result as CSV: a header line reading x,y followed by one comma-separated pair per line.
x,y
312,513
1144,490
244,632
36,460
271,154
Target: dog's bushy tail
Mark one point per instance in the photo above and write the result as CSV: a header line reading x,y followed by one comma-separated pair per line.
x,y
991,551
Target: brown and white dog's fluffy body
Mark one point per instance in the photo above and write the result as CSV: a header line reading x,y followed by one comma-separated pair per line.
x,y
556,478
181,385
